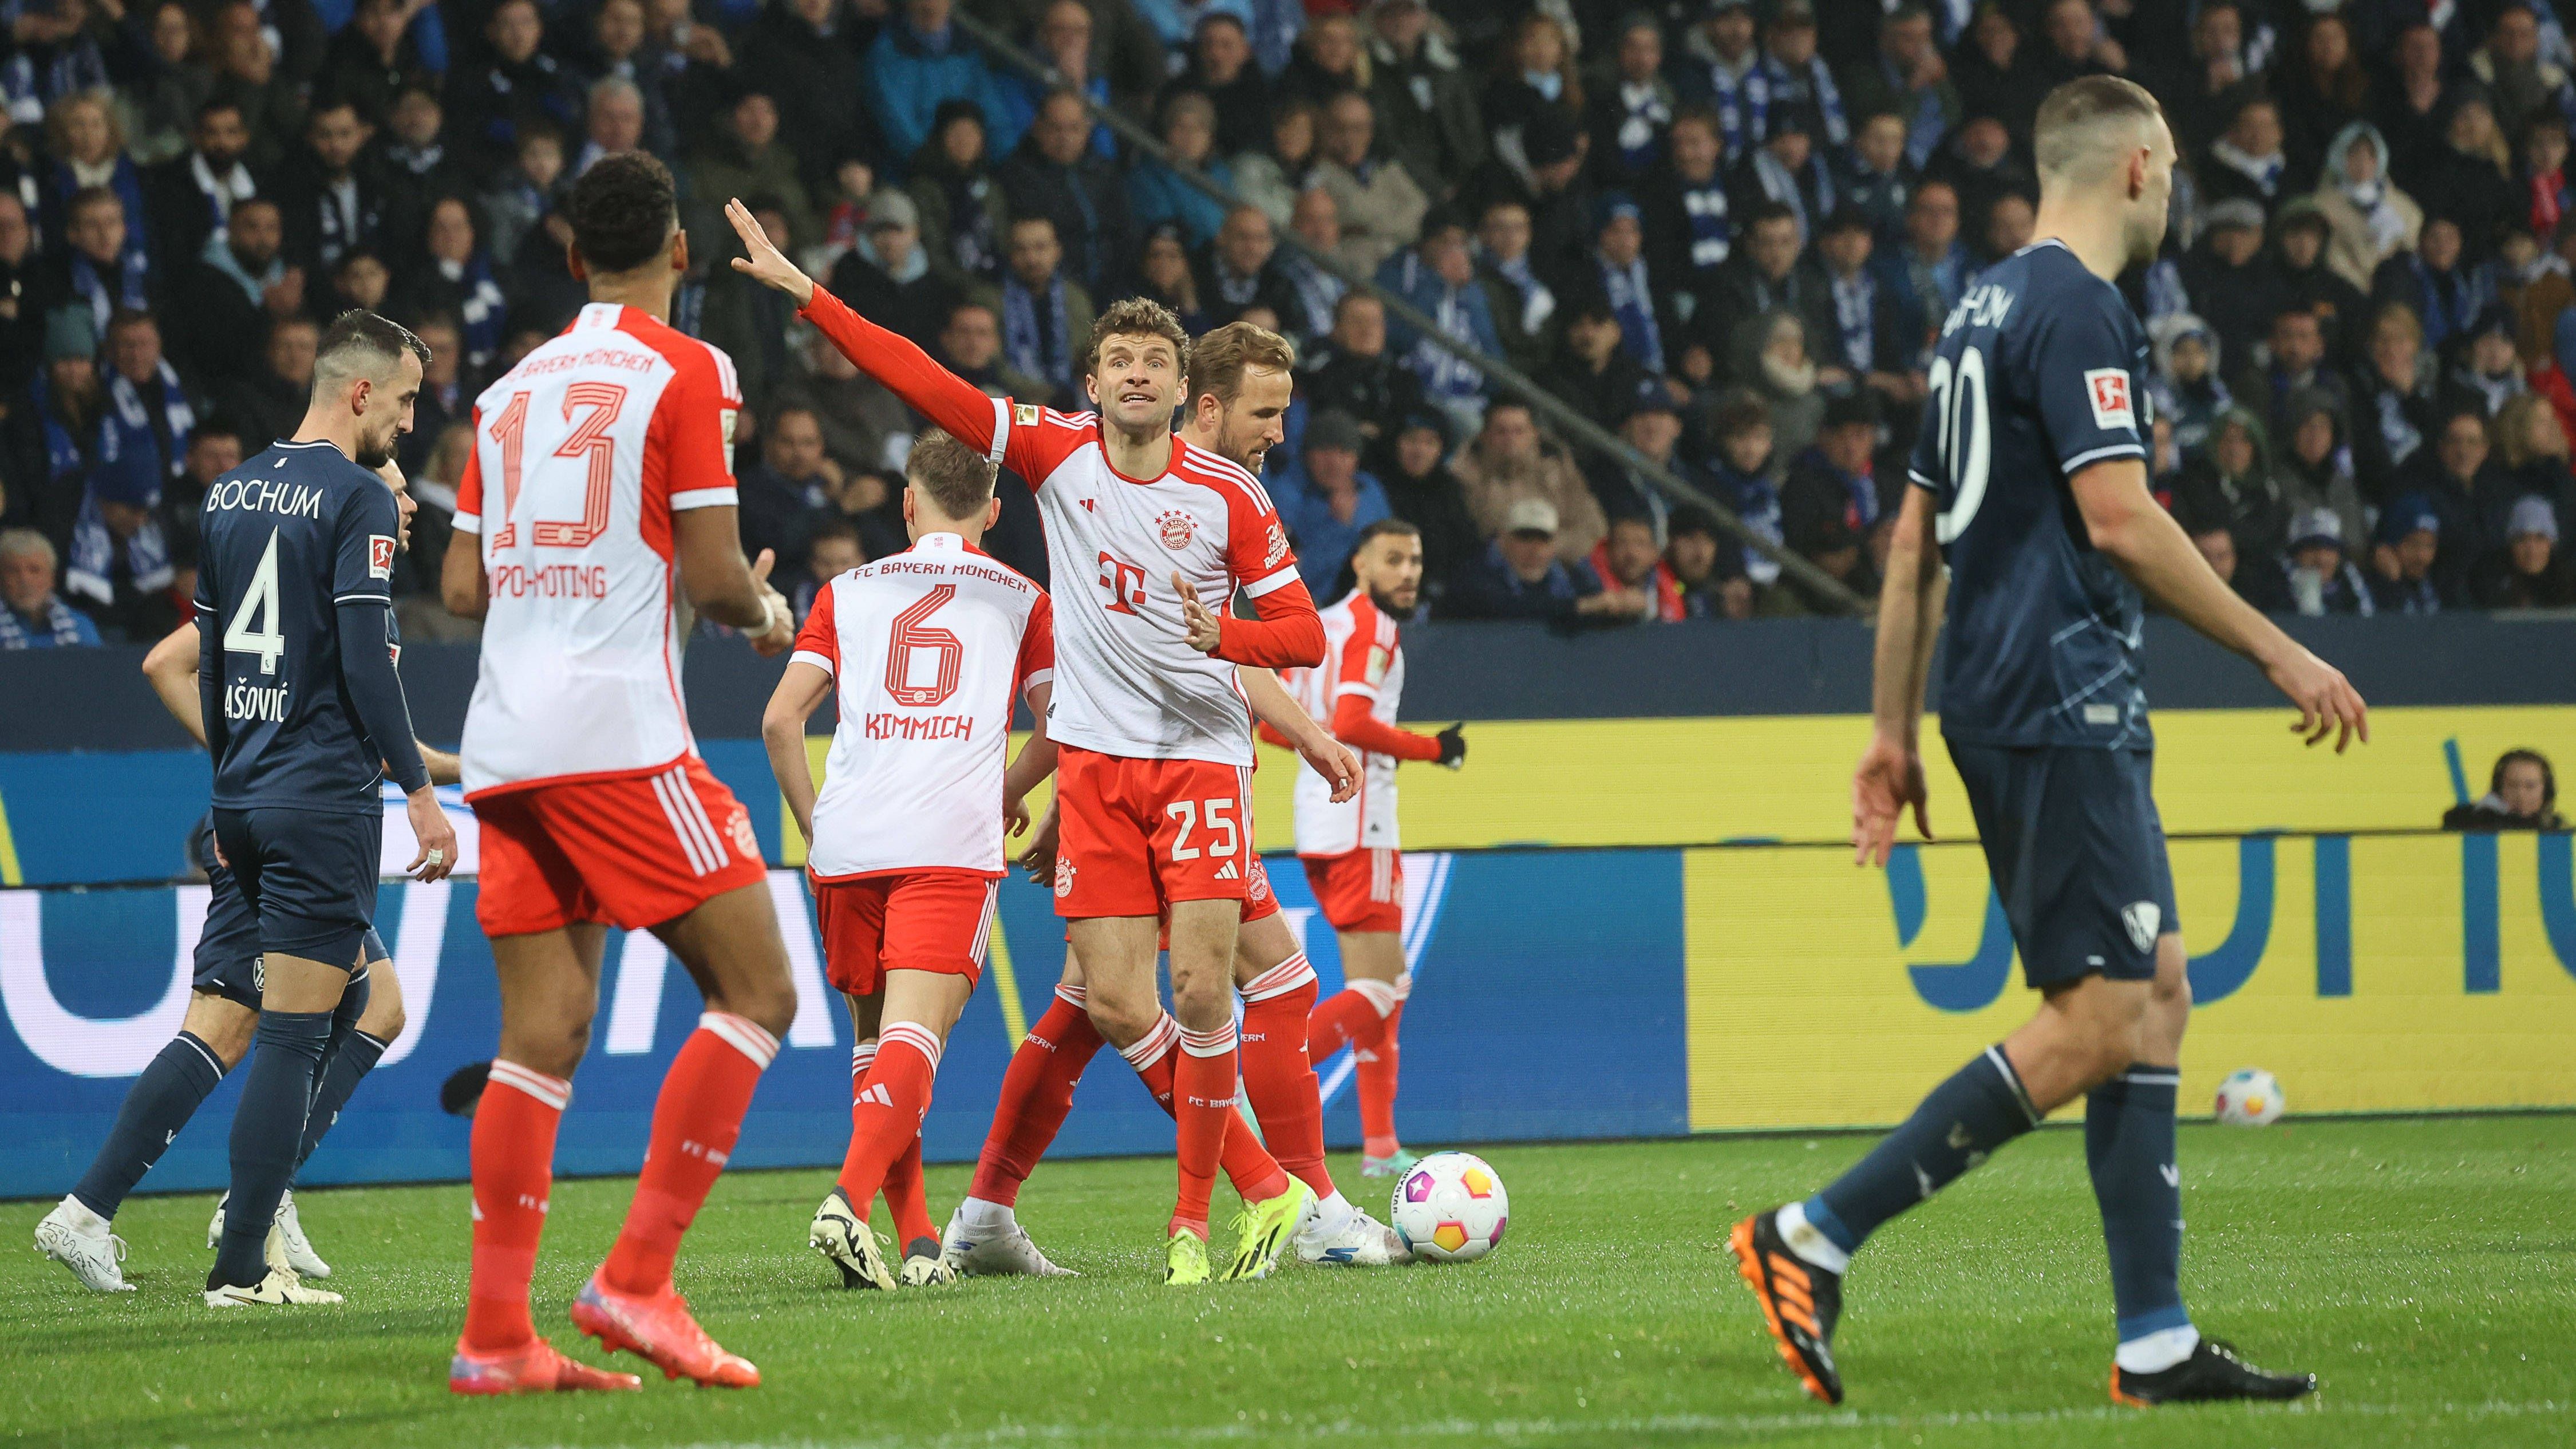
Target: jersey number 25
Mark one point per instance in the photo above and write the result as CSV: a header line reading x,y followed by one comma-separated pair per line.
x,y
1965,440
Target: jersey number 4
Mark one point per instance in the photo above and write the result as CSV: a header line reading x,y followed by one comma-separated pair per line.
x,y
254,627
1965,440
588,439
913,636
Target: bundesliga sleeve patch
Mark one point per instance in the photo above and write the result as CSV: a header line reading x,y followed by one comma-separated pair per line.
x,y
727,421
380,556
1024,415
2108,388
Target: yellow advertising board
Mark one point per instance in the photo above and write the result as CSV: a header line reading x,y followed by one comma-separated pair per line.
x,y
2395,973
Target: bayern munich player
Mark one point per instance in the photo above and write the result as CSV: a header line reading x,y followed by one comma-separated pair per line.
x,y
1148,538
926,652
1352,857
1241,379
599,493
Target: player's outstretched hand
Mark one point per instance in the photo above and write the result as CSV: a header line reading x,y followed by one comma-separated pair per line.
x,y
781,632
2327,702
1038,858
1015,814
436,857
1203,630
1453,746
1889,779
762,261
1337,763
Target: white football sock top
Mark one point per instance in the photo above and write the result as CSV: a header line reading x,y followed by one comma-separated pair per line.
x,y
2159,1350
82,1219
1809,1242
983,1215
1331,1216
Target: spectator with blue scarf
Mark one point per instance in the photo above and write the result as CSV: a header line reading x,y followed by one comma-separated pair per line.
x,y
241,280
918,60
147,409
1690,220
89,150
1876,180
1720,68
1045,315
120,566
36,616
1907,78
1630,112
54,429
52,56
101,271
2444,289
2401,564
1063,40
1156,193
1438,275
1869,343
1619,267
1798,78
1327,500
1743,472
1787,168
458,280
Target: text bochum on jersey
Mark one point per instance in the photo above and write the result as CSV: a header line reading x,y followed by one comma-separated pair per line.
x,y
2036,376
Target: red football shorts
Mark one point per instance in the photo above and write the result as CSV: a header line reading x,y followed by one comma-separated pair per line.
x,y
1138,835
914,920
1359,890
633,851
1260,902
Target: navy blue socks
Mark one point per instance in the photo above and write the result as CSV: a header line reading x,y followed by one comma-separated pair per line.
x,y
268,1136
1980,1108
159,1103
352,1054
2129,1146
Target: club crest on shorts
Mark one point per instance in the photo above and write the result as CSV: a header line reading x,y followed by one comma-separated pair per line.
x,y
1063,876
743,838
1178,528
2142,918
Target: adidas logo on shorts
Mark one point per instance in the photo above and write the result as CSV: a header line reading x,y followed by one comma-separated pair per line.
x,y
1228,872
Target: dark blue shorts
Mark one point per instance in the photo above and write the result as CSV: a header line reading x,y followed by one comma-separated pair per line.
x,y
2077,852
306,879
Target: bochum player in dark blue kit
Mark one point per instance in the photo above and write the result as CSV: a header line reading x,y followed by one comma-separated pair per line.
x,y
303,712
2030,475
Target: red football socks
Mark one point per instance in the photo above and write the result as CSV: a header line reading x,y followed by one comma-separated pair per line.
x,y
903,1194
1280,1080
1248,1165
1037,1093
1203,1105
1352,1016
513,1157
885,1115
1374,1073
696,1121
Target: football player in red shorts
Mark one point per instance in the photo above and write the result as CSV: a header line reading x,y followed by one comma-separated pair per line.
x,y
925,652
1353,858
1242,377
600,490
1145,532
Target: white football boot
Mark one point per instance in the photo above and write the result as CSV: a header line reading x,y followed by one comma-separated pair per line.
x,y
1362,1242
281,1287
79,1239
996,1253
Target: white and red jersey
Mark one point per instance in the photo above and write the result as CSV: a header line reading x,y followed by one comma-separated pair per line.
x,y
1129,684
1356,691
582,454
927,650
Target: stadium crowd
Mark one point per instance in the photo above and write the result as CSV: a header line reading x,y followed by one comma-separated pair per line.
x,y
1726,232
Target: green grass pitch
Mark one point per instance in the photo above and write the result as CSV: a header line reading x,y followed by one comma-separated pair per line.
x,y
2420,1267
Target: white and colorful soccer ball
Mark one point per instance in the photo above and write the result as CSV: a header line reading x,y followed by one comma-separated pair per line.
x,y
2249,1098
1450,1208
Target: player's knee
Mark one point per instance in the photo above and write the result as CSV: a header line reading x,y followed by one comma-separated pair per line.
x,y
769,1003
1119,1017
383,1019
1200,997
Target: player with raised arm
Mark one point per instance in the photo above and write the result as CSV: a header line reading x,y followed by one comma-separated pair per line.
x,y
1147,536
304,713
223,1013
2030,476
600,490
1242,377
1353,858
926,652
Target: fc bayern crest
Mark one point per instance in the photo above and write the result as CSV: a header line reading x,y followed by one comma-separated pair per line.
x,y
1063,875
1178,529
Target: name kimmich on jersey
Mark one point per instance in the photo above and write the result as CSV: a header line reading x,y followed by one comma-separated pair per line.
x,y
2037,376
1362,656
285,539
927,650
583,454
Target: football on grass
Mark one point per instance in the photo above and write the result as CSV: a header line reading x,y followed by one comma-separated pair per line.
x,y
2249,1098
1450,1208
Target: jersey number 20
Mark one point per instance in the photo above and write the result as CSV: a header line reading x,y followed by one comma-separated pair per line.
x,y
1965,440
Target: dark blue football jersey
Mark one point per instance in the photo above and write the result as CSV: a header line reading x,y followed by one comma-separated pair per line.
x,y
2039,372
284,540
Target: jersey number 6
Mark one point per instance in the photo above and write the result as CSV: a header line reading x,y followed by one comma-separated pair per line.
x,y
912,635
1965,441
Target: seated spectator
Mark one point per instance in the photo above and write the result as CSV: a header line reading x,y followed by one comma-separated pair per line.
x,y
1510,460
1045,315
962,213
747,159
627,68
22,310
214,449
1631,109
2231,281
2315,470
1163,275
1222,68
1274,174
53,435
2532,572
1524,574
1787,170
1438,276
2531,446
1522,305
1650,422
36,616
918,60
971,347
1326,501
526,192
2342,310
1762,276
148,409
1356,373
2231,482
1317,223
2473,494
191,196
1056,175
2401,564
1592,373
887,277
360,280
2246,162
1064,40
2010,223
1329,59
119,569
1709,569
808,52
444,396
782,493
102,269
1772,357
2218,549
614,122
1979,165
1630,559
1929,272
1240,270
1828,541
1834,477
2295,362
1380,206
2437,282
1745,475
517,84
1617,266
1533,71
1874,181
1157,194
2544,173
1414,472
88,146
419,164
864,425
1869,345
1690,229
1907,77
2314,576
2187,390
2485,371
1426,104
2468,180
832,550
241,285
1720,67
2392,402
269,402
457,280
2369,221
2522,794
